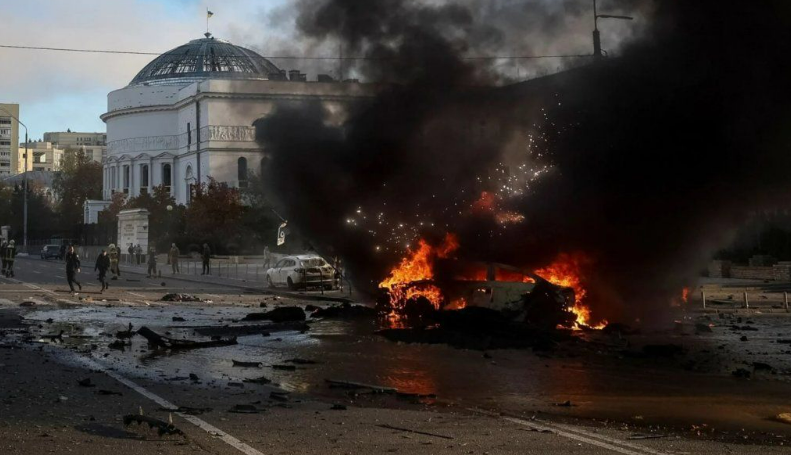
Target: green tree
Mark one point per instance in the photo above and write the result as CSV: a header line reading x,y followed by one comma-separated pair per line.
x,y
42,222
215,216
165,226
79,179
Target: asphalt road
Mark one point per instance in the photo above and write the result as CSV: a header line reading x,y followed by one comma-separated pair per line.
x,y
43,410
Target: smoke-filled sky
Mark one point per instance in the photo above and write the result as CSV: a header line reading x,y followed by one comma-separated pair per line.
x,y
644,163
68,90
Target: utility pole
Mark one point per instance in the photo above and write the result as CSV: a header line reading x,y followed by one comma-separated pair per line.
x,y
24,177
597,52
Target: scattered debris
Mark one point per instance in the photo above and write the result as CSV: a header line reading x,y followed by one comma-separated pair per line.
x,y
338,407
407,430
743,338
162,342
565,404
162,427
262,380
279,396
178,319
27,303
280,314
241,364
194,377
761,366
126,334
343,311
86,383
187,410
245,409
175,297
284,367
54,338
117,344
335,384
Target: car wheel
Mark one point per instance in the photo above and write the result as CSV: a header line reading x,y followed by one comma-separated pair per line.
x,y
291,284
269,281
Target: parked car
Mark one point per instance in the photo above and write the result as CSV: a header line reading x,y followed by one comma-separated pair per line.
x,y
51,251
301,271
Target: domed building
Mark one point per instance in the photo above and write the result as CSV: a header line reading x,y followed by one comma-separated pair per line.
x,y
188,116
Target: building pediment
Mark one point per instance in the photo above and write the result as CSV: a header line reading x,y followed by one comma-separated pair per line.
x,y
165,156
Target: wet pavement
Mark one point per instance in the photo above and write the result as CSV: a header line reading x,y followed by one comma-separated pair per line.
x,y
596,379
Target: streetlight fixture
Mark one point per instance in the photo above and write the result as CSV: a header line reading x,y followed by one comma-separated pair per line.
x,y
597,52
24,176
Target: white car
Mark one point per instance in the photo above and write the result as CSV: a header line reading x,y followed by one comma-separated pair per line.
x,y
301,271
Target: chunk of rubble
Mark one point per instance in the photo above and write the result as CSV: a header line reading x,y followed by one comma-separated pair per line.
x,y
344,311
162,427
162,342
280,314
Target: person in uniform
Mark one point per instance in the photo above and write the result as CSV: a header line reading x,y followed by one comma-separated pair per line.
x,y
152,262
3,246
206,256
10,255
114,269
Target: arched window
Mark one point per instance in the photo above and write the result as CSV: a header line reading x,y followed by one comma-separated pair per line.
x,y
143,178
166,177
242,172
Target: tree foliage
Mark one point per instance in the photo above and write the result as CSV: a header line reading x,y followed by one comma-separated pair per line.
x,y
215,215
41,216
79,179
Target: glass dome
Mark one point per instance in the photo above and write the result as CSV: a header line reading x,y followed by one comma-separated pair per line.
x,y
206,58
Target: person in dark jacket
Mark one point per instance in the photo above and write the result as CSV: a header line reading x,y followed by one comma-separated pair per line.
x,y
138,253
9,255
2,254
72,268
173,257
206,258
102,265
152,262
62,252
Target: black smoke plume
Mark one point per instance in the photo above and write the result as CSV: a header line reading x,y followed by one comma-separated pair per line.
x,y
647,161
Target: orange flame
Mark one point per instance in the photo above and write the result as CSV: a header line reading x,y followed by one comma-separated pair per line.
x,y
418,266
685,294
567,271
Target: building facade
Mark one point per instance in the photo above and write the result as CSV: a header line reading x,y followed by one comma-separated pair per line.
x,y
189,114
9,140
44,156
93,144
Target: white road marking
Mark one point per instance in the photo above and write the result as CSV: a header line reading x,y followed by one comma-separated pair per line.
x,y
136,294
214,295
577,434
202,424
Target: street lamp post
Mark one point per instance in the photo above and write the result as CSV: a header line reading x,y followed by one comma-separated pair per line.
x,y
24,178
597,52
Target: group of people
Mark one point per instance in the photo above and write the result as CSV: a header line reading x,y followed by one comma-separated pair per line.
x,y
8,254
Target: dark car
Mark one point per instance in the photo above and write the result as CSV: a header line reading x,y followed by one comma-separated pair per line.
x,y
51,251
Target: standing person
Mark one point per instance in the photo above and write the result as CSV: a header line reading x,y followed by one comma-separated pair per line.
x,y
102,264
131,251
152,262
72,267
2,254
62,252
173,255
114,269
338,266
138,253
267,257
10,255
206,255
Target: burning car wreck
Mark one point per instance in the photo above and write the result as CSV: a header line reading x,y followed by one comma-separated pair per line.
x,y
432,296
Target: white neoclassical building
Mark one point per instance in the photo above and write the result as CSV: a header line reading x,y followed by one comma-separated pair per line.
x,y
188,116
